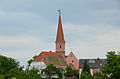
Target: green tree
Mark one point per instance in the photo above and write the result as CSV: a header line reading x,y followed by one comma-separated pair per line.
x,y
85,75
7,64
86,67
70,73
30,61
86,71
112,69
100,76
2,76
51,70
76,73
12,73
34,74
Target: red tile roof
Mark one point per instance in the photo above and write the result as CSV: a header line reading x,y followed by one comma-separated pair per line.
x,y
54,58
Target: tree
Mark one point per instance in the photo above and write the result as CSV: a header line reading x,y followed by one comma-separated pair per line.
x,y
76,73
86,67
30,61
69,72
51,70
100,76
34,74
12,73
7,64
10,69
86,71
2,76
85,75
112,69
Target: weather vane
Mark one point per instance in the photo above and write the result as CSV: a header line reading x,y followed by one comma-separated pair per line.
x,y
59,12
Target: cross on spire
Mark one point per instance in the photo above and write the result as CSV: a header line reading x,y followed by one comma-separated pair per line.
x,y
59,12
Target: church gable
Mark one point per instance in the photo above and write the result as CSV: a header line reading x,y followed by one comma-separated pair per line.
x,y
72,61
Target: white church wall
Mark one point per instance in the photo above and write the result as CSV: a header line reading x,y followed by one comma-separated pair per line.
x,y
38,65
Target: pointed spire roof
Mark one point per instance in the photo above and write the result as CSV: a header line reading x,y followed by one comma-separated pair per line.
x,y
60,35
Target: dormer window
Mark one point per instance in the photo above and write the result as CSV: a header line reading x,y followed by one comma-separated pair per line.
x,y
91,61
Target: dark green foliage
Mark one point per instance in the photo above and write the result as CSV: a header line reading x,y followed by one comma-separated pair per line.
x,y
30,61
7,64
86,71
60,72
112,68
10,69
33,74
85,75
51,70
70,73
2,76
86,67
100,76
13,73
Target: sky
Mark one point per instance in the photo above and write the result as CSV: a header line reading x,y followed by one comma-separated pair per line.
x,y
28,27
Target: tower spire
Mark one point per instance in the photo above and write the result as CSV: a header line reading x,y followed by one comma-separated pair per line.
x,y
60,42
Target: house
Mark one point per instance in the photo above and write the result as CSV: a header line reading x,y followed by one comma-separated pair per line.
x,y
95,65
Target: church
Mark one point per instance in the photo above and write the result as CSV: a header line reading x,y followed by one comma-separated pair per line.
x,y
57,58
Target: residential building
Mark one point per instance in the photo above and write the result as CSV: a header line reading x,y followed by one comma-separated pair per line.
x,y
95,65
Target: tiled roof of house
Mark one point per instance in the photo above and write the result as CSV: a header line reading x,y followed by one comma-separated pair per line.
x,y
93,63
54,58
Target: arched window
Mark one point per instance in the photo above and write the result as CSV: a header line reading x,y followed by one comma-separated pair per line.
x,y
71,64
60,46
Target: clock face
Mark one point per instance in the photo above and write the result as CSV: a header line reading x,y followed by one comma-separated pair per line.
x,y
60,43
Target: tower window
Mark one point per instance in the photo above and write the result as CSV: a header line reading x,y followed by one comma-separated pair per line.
x,y
60,46
60,43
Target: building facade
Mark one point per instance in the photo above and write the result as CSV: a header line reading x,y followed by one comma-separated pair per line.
x,y
95,65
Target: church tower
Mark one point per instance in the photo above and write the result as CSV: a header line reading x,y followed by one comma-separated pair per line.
x,y
60,42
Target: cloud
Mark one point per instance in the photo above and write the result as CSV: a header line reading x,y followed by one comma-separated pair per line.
x,y
17,46
100,38
91,28
77,27
4,16
18,40
111,37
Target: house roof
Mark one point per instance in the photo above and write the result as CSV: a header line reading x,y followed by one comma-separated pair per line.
x,y
54,58
60,35
93,63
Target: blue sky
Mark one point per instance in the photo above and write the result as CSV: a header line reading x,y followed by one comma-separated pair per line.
x,y
27,27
